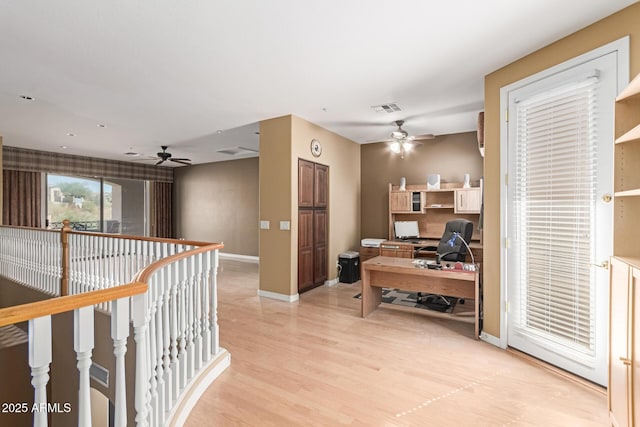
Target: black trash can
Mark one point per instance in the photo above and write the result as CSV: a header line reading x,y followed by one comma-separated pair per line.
x,y
349,266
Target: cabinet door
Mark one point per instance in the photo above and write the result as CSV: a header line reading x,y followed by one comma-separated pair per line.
x,y
635,340
619,344
468,200
305,183
320,252
321,186
400,201
305,249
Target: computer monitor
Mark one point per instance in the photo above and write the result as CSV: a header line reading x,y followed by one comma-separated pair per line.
x,y
406,229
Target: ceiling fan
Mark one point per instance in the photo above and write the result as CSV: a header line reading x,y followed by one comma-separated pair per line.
x,y
164,156
401,142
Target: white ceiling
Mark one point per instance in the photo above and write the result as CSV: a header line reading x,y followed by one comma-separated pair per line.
x,y
198,75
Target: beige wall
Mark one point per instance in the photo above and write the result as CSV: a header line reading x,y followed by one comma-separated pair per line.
x,y
282,142
1,183
451,156
218,202
625,22
275,205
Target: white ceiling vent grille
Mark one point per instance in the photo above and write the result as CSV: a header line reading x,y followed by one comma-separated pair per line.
x,y
386,108
237,151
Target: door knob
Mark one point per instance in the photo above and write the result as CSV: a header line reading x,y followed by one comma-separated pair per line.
x,y
603,264
606,198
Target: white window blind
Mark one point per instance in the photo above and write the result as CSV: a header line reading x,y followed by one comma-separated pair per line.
x,y
553,212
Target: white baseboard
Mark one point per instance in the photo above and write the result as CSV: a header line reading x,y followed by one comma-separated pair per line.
x,y
331,282
490,339
280,297
236,257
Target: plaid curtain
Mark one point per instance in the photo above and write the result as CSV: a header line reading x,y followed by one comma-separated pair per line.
x,y
21,193
161,209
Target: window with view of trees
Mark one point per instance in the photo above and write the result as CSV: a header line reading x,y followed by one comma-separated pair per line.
x,y
96,204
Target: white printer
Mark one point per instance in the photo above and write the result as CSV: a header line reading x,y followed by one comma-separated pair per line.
x,y
371,243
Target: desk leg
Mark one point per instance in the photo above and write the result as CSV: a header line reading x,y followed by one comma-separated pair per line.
x,y
477,305
371,296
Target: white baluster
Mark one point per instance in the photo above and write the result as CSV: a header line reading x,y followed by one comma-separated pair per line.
x,y
119,334
83,344
39,360
190,319
197,287
206,301
142,397
214,305
182,352
175,281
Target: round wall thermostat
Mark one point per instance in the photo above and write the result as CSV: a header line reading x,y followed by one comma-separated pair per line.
x,y
316,148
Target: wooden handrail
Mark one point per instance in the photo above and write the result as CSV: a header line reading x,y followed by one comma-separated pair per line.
x,y
144,274
33,310
142,238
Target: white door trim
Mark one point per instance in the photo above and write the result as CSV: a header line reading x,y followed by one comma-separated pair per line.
x,y
621,48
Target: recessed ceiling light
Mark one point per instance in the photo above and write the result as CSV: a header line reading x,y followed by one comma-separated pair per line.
x,y
324,109
257,133
131,154
64,147
27,97
100,125
71,134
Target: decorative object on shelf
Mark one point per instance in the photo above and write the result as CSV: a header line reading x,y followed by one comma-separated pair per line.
x,y
403,184
433,182
481,133
316,148
467,182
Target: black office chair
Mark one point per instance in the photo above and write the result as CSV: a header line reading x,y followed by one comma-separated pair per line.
x,y
450,249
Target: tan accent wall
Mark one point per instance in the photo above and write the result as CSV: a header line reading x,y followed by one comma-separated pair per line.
x,y
275,205
343,158
451,156
598,34
283,141
218,202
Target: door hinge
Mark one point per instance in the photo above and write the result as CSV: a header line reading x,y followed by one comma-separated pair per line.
x,y
506,179
506,115
507,242
506,306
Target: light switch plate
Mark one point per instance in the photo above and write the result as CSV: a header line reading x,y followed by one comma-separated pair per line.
x,y
285,225
264,225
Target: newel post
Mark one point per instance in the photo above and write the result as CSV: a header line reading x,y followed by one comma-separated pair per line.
x,y
64,238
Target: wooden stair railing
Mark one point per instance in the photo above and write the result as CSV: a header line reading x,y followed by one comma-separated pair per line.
x,y
173,302
39,313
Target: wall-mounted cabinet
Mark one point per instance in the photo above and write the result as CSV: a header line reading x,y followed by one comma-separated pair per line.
x,y
433,208
468,200
624,322
406,201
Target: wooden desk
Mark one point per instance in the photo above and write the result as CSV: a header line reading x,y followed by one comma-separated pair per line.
x,y
401,273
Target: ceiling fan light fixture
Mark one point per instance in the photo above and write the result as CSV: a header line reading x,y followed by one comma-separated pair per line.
x,y
395,147
407,146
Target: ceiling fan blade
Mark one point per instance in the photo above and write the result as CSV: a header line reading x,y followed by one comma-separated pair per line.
x,y
160,162
181,161
423,137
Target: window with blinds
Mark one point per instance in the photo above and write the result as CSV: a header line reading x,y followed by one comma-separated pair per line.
x,y
554,199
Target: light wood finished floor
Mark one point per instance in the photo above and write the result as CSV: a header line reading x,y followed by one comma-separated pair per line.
x,y
317,363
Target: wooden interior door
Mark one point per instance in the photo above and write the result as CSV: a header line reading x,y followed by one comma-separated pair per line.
x,y
305,249
312,224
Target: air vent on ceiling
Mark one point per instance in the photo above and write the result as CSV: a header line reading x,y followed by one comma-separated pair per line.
x,y
237,151
386,108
